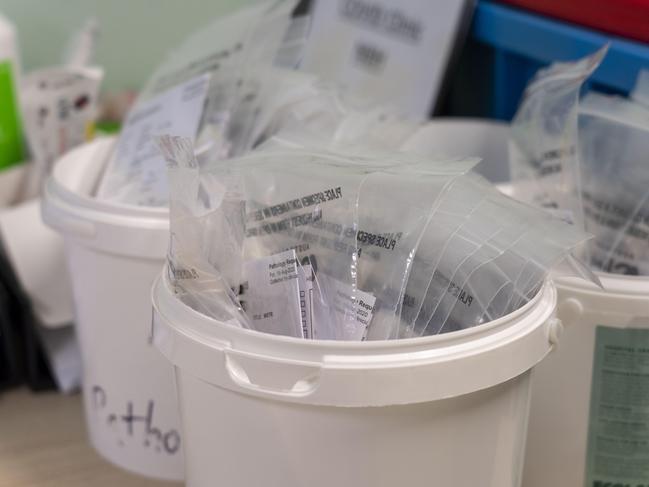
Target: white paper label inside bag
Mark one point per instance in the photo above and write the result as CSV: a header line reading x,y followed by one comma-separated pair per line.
x,y
137,173
305,280
271,294
351,311
358,309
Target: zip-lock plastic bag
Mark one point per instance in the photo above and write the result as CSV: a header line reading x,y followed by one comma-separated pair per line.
x,y
614,163
478,223
360,235
483,270
206,89
197,282
356,224
299,104
466,253
298,109
543,162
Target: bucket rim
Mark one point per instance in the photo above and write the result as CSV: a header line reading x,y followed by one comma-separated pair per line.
x,y
70,207
59,194
162,281
353,374
613,284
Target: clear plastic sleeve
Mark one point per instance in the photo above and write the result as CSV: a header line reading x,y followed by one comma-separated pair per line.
x,y
543,163
395,245
357,223
232,52
613,146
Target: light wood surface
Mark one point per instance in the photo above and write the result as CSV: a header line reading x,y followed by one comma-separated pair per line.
x,y
43,444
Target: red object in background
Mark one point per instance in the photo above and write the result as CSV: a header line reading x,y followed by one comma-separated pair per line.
x,y
626,18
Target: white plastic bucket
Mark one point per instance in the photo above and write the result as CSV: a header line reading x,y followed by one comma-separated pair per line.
x,y
572,416
114,253
260,409
562,396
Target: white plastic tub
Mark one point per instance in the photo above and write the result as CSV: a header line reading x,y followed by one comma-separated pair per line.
x,y
590,418
113,255
260,409
562,399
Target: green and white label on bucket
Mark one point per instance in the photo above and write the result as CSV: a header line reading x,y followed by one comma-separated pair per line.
x,y
11,137
618,433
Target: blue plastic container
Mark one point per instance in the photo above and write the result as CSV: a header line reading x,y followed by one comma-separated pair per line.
x,y
514,44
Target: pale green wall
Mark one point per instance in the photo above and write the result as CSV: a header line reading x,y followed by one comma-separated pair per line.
x,y
135,33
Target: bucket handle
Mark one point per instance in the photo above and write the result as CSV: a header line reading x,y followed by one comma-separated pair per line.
x,y
267,376
570,311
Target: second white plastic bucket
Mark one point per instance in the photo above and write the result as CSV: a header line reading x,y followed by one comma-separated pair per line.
x,y
260,409
589,420
589,423
114,253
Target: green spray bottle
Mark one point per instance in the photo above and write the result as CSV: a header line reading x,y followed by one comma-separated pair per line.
x,y
12,146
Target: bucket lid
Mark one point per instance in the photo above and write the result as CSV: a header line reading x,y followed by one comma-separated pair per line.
x,y
354,374
70,208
